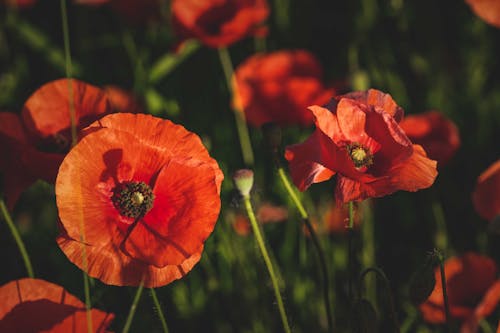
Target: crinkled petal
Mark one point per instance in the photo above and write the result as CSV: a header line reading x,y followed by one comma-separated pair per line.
x,y
378,99
303,170
110,265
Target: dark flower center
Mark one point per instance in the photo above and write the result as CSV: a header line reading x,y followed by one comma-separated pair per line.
x,y
360,155
133,199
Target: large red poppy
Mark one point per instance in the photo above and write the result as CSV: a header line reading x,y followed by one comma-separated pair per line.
x,y
357,136
278,87
33,305
38,140
218,23
473,291
486,195
488,10
438,135
146,193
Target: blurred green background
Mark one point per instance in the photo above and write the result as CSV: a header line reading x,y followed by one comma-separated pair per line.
x,y
427,54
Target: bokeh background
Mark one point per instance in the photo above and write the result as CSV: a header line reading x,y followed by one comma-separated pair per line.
x,y
429,55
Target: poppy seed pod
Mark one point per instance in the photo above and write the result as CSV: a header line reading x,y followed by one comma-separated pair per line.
x,y
243,181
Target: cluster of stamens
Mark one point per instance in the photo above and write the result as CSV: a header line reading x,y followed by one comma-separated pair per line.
x,y
360,155
133,199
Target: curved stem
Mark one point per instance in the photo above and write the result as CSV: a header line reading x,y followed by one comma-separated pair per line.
x,y
241,125
159,310
317,245
267,260
133,307
17,238
392,309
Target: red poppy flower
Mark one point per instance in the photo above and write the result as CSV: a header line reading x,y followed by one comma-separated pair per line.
x,y
145,191
33,305
438,135
473,291
488,10
277,87
486,195
357,136
13,141
38,141
218,23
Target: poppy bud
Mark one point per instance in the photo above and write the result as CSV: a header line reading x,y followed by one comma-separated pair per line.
x,y
272,134
364,317
243,180
423,281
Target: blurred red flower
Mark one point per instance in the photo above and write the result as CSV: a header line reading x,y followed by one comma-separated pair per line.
x,y
218,23
357,136
146,192
121,100
19,3
486,195
488,10
33,305
438,135
38,140
473,291
277,87
266,213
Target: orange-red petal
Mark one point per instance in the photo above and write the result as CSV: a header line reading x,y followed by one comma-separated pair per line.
x,y
33,305
488,10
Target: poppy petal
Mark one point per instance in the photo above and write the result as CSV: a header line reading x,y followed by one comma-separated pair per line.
x,y
110,265
179,222
49,308
303,170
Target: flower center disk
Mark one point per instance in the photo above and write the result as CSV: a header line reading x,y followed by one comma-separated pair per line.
x,y
359,155
133,199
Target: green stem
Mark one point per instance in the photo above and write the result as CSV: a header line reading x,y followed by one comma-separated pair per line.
x,y
17,238
317,245
133,307
67,57
440,238
485,326
292,193
368,248
445,293
159,310
267,260
74,140
241,125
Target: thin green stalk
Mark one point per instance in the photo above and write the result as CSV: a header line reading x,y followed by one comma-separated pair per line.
x,y
69,67
368,247
133,307
317,245
267,260
17,238
241,125
74,140
485,326
445,293
159,310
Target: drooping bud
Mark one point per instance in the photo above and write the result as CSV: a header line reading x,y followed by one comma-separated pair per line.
x,y
423,281
243,181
